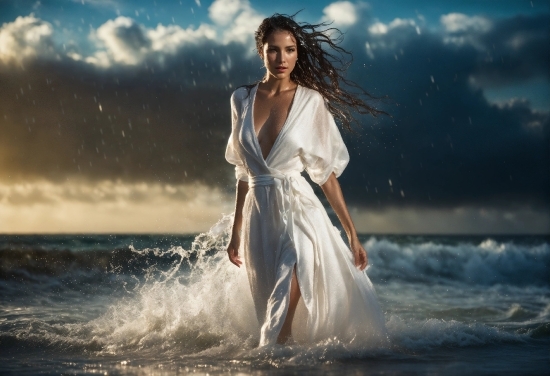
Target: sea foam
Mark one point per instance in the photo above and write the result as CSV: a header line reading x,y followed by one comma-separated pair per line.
x,y
487,263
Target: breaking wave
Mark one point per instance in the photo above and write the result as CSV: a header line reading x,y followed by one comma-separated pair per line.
x,y
487,263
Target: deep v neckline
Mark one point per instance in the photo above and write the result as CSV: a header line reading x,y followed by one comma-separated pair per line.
x,y
280,131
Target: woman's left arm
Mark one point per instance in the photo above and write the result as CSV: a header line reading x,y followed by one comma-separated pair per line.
x,y
333,192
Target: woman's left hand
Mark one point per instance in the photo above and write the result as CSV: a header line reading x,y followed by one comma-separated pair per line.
x,y
359,254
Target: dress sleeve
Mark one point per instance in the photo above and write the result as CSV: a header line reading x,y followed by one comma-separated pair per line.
x,y
324,150
231,154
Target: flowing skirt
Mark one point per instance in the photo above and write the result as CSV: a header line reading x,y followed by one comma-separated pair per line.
x,y
286,226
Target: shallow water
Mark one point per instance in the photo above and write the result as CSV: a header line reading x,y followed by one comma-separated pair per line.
x,y
168,305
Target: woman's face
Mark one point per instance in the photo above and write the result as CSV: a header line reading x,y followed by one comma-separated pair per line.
x,y
280,54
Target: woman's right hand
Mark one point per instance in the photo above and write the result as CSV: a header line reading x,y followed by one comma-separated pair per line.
x,y
233,253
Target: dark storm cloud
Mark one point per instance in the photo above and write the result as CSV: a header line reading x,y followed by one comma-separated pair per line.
x,y
446,144
169,122
514,49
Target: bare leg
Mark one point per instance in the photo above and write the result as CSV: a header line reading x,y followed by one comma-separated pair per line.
x,y
286,330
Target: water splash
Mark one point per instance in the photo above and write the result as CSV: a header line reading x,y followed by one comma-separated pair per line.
x,y
201,302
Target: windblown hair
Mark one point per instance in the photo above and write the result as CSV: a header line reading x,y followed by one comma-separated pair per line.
x,y
320,68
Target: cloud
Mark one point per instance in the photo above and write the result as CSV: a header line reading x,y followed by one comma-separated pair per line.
x,y
26,38
110,207
509,49
223,12
341,13
457,220
446,144
125,40
236,19
128,43
397,23
458,22
160,115
170,39
161,122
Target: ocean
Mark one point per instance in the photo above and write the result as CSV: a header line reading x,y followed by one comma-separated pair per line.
x,y
173,305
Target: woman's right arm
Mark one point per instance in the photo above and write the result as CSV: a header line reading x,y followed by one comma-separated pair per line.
x,y
234,243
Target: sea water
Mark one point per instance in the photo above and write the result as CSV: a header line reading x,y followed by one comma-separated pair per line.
x,y
172,305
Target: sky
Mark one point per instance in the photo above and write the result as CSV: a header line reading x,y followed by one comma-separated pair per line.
x,y
114,115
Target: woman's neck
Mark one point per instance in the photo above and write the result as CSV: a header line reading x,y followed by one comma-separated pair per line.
x,y
275,85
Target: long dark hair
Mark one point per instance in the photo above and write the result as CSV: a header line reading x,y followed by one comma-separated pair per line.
x,y
318,68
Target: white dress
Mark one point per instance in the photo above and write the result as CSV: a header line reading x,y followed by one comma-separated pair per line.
x,y
285,224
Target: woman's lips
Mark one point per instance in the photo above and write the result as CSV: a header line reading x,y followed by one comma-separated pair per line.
x,y
281,69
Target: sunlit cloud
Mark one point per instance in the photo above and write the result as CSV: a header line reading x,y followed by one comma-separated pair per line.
x,y
222,12
25,38
118,207
236,20
341,14
124,41
110,206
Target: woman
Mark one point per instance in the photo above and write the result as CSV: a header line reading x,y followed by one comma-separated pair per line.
x,y
296,260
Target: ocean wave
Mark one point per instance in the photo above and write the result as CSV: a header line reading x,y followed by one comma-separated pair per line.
x,y
208,311
433,333
486,263
37,264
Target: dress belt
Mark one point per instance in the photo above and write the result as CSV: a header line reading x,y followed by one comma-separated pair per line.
x,y
269,179
286,197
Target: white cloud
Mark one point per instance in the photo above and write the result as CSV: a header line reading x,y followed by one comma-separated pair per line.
x,y
26,37
458,22
379,28
236,19
399,28
124,41
223,12
341,13
462,29
242,29
169,39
